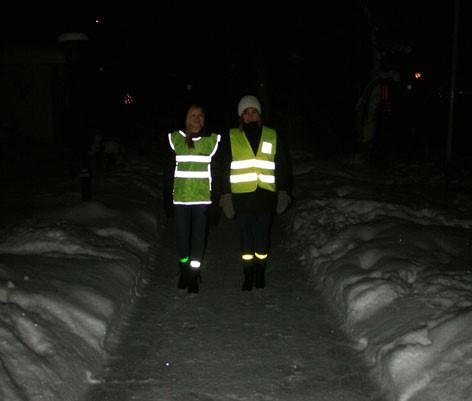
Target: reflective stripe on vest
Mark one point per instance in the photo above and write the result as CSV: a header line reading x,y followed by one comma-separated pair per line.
x,y
192,176
249,171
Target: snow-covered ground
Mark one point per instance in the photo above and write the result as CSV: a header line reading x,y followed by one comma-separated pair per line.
x,y
68,272
391,252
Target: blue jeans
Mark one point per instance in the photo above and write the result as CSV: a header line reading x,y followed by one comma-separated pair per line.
x,y
191,223
255,232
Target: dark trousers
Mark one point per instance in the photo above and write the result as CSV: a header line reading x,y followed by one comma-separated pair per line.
x,y
191,222
255,232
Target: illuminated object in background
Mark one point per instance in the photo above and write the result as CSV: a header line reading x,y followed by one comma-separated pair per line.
x,y
128,99
72,37
418,74
99,20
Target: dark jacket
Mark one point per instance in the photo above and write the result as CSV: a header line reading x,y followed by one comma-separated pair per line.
x,y
260,200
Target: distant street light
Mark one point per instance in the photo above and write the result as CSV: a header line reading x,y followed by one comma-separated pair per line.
x,y
128,99
72,42
72,37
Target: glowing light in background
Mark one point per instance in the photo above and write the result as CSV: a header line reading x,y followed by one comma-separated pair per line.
x,y
418,74
128,99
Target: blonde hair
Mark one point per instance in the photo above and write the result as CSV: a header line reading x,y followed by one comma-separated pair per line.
x,y
188,134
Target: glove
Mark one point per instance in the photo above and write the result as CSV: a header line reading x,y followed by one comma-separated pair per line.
x,y
283,200
226,203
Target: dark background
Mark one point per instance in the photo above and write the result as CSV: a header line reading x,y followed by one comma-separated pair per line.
x,y
308,63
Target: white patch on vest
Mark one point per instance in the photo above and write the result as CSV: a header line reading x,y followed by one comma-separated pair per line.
x,y
266,147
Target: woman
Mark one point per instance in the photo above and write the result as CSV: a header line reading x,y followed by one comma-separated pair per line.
x,y
256,185
191,185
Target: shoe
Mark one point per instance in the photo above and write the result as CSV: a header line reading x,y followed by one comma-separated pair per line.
x,y
260,275
183,277
248,270
193,280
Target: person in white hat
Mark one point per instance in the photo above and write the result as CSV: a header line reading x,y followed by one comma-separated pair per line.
x,y
255,186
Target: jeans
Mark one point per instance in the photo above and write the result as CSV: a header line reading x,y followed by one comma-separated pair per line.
x,y
255,232
191,223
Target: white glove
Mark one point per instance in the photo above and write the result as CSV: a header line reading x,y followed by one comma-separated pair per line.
x,y
226,203
283,200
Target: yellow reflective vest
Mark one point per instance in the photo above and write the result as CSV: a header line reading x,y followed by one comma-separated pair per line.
x,y
249,171
192,176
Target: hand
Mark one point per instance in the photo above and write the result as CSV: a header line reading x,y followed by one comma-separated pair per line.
x,y
283,200
226,203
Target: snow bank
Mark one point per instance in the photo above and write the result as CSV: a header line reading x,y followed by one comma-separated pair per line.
x,y
398,277
67,275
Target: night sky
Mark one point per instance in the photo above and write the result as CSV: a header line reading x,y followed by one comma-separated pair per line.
x,y
305,61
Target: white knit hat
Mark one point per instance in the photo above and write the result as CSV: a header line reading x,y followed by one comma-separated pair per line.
x,y
248,101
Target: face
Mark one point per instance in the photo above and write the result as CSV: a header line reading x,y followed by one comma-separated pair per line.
x,y
251,115
195,120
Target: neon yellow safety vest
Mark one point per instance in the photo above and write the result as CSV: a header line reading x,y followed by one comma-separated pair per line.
x,y
192,176
249,171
